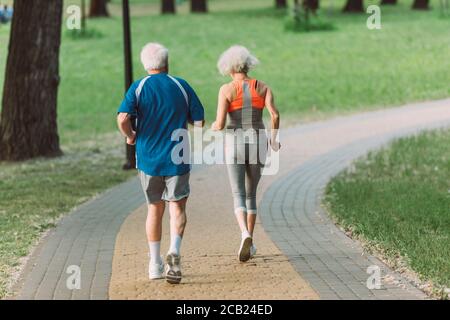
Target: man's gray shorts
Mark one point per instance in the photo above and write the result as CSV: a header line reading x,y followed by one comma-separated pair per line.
x,y
170,188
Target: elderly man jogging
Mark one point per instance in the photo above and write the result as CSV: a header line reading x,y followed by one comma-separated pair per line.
x,y
162,104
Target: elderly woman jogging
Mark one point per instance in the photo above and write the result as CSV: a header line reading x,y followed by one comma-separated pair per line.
x,y
243,100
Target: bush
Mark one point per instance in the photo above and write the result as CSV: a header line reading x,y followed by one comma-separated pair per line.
x,y
303,21
76,34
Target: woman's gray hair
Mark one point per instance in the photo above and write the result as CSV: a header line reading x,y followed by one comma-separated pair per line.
x,y
154,56
236,59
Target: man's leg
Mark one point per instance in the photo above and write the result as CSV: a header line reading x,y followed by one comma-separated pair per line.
x,y
153,189
153,228
176,193
178,221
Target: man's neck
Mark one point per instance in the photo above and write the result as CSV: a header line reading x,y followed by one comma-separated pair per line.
x,y
157,71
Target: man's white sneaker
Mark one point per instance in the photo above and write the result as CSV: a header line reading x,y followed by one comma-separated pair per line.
x,y
173,268
244,250
252,251
155,270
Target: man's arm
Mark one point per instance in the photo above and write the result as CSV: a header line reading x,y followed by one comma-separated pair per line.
x,y
196,111
199,124
128,110
125,127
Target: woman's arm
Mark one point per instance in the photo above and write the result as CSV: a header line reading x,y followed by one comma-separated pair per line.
x,y
275,116
222,109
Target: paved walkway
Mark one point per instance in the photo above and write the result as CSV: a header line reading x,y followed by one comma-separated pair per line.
x,y
301,254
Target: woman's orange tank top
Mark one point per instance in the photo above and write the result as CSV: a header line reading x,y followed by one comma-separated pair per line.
x,y
257,101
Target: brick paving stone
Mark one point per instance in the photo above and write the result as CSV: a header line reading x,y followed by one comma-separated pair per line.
x,y
77,240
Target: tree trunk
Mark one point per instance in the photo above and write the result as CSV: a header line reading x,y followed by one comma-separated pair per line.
x,y
383,2
99,8
354,6
168,6
199,6
83,15
28,126
421,5
312,5
281,4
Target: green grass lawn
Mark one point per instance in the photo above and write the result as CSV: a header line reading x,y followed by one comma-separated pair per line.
x,y
34,195
398,199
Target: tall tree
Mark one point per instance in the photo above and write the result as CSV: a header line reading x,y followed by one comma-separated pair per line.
x,y
388,2
421,5
297,12
199,6
99,8
83,15
28,126
311,5
168,6
281,4
354,6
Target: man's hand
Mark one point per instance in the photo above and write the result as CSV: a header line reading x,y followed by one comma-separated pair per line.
x,y
125,127
131,140
198,124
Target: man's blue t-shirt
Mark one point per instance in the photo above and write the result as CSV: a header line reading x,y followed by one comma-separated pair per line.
x,y
161,110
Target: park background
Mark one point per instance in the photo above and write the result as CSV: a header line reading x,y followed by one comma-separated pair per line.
x,y
315,75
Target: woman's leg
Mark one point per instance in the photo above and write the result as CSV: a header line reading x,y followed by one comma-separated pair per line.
x,y
252,177
256,160
236,173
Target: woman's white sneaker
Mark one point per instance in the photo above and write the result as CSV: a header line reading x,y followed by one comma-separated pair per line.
x,y
244,250
252,251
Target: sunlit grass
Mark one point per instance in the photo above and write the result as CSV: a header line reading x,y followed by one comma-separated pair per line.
x,y
399,200
34,194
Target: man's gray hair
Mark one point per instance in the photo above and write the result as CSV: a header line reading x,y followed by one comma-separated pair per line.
x,y
236,59
154,56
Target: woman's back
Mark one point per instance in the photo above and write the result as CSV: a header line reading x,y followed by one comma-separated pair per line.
x,y
247,102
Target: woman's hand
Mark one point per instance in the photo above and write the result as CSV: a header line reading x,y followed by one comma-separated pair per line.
x,y
215,126
275,145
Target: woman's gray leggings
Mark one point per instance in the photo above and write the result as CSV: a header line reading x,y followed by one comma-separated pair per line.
x,y
245,174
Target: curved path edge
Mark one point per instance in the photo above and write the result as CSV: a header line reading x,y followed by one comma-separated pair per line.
x,y
334,265
84,238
